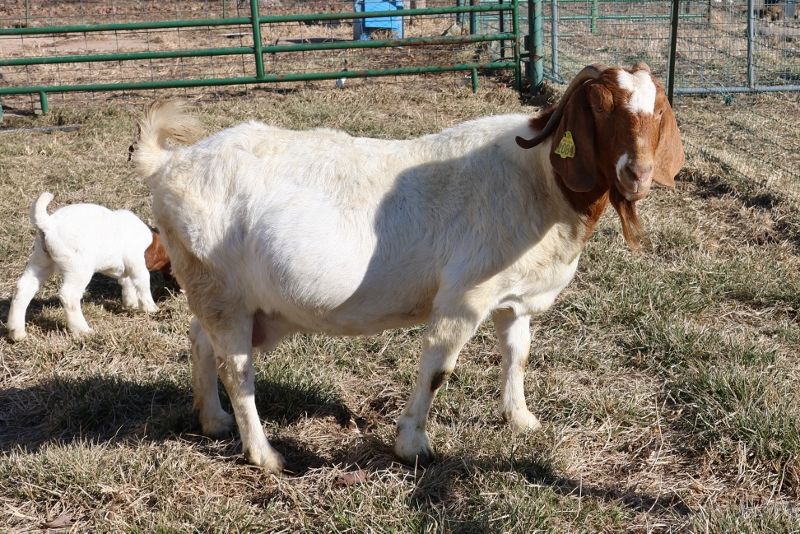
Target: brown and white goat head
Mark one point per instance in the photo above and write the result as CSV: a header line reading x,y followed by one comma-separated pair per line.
x,y
156,257
613,134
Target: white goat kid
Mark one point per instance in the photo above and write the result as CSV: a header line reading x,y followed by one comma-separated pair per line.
x,y
272,231
78,241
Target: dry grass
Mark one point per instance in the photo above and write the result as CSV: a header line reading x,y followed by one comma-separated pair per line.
x,y
666,381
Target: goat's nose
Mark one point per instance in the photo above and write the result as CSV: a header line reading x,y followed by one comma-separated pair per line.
x,y
639,172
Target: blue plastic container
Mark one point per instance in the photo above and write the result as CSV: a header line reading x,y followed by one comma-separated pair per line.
x,y
363,28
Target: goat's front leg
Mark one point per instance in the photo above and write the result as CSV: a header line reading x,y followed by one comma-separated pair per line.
x,y
443,340
128,292
231,338
514,336
213,419
140,277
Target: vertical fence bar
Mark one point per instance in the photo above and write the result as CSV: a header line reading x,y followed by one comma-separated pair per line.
x,y
595,14
257,50
27,13
460,16
502,20
44,103
751,41
554,38
673,47
517,56
474,79
473,19
536,44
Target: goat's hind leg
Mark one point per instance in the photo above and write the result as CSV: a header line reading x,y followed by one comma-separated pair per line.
x,y
214,420
231,338
39,268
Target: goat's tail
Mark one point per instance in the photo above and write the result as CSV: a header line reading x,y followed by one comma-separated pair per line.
x,y
39,215
163,120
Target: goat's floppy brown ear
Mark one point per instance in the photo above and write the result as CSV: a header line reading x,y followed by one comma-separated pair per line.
x,y
572,154
669,156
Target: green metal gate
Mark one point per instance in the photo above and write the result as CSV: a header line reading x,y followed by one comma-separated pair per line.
x,y
508,37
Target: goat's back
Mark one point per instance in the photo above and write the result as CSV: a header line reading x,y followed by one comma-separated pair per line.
x,y
95,236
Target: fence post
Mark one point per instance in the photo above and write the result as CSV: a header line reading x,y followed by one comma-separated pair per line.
x,y
517,55
673,45
595,14
44,103
502,24
473,19
535,44
751,40
554,38
257,46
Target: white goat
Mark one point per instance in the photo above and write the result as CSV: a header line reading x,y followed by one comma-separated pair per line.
x,y
273,231
78,241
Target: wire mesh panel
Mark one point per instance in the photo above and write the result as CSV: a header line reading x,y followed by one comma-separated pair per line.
x,y
579,32
740,46
723,46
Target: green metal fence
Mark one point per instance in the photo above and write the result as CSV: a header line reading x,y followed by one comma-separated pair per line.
x,y
508,39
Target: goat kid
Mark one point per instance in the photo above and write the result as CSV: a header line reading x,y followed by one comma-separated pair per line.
x,y
272,231
78,241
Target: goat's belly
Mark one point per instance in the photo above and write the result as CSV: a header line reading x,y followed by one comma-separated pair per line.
x,y
327,301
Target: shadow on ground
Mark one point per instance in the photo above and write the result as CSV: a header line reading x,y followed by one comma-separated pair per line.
x,y
111,409
102,290
102,408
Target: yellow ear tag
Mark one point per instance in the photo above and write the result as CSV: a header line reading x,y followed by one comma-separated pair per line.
x,y
566,147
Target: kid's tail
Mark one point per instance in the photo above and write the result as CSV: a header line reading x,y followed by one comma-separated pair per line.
x,y
39,215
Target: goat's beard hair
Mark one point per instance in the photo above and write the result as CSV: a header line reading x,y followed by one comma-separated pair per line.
x,y
631,227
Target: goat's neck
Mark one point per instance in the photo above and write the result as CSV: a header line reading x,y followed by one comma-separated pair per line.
x,y
590,205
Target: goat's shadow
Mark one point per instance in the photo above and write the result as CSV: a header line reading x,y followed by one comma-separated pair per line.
x,y
114,409
105,408
102,290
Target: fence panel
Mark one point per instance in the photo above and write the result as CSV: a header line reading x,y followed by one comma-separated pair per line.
x,y
723,46
46,51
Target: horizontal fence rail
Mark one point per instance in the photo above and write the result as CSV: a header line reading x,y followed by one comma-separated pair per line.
x,y
503,10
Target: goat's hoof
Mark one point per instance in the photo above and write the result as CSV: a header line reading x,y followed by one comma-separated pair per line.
x,y
150,309
522,421
413,448
267,459
17,335
81,331
218,426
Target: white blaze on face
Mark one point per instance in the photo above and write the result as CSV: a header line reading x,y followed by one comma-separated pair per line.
x,y
621,162
642,97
